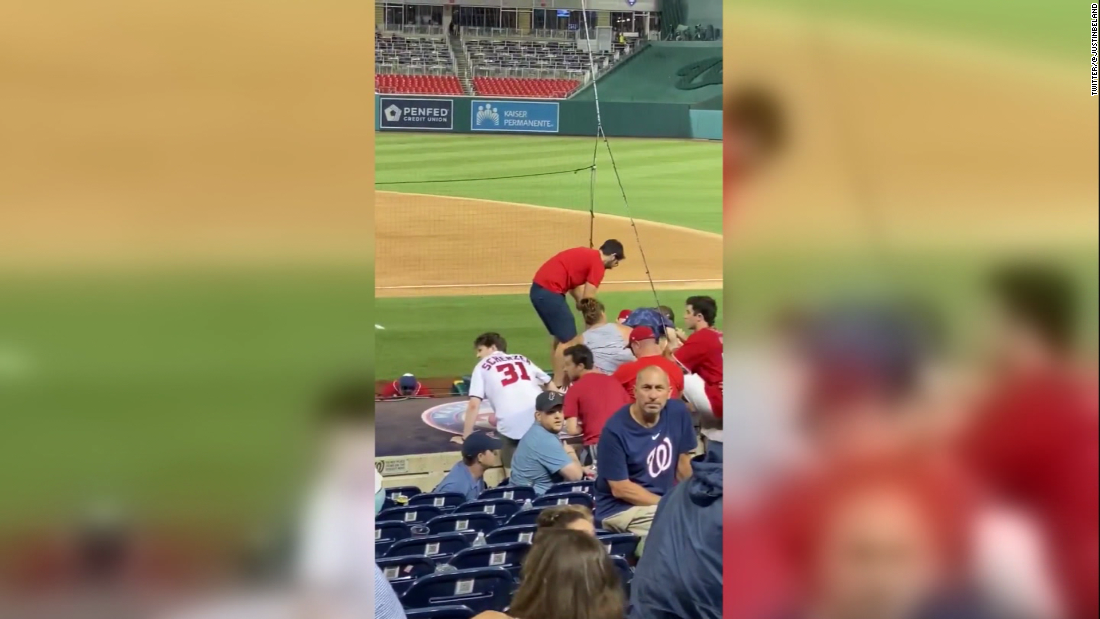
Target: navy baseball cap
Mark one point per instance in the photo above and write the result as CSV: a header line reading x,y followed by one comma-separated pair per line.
x,y
479,442
407,382
549,401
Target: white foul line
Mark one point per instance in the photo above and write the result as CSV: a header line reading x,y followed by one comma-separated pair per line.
x,y
632,281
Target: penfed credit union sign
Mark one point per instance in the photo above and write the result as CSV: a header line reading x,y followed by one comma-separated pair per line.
x,y
416,114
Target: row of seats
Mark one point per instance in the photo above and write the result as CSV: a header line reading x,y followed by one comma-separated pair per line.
x,y
417,84
413,496
525,87
396,539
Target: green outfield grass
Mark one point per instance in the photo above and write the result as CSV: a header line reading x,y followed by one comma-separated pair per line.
x,y
670,181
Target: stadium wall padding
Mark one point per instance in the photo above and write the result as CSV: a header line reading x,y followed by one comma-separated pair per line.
x,y
578,118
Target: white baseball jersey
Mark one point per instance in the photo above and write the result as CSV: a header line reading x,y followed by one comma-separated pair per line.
x,y
510,383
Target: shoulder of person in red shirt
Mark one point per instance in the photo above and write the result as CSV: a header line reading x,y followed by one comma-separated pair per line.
x,y
555,274
700,347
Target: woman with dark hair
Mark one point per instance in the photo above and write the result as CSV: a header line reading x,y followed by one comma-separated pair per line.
x,y
567,575
606,340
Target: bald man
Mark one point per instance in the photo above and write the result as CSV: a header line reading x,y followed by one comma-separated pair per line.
x,y
649,445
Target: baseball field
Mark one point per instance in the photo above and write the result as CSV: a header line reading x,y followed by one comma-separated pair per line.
x,y
455,259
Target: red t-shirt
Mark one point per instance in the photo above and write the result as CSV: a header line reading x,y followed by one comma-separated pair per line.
x,y
593,400
627,374
1036,443
392,390
701,354
569,269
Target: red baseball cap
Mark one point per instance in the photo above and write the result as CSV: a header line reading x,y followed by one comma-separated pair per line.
x,y
623,315
639,334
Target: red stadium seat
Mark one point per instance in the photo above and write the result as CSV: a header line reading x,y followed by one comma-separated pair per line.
x,y
388,84
524,87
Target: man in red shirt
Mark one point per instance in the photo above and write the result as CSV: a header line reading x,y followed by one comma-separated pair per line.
x,y
405,387
643,343
1034,440
701,353
592,398
579,272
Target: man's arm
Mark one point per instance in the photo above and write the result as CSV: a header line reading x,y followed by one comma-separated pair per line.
x,y
469,419
564,463
683,467
632,493
572,426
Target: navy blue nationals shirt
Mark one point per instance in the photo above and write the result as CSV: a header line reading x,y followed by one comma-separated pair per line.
x,y
645,456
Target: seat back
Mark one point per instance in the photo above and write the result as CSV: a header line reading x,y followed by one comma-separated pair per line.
x,y
445,501
586,486
510,534
480,589
406,491
619,544
401,572
463,523
440,612
501,509
509,556
436,547
524,517
408,514
512,493
626,574
568,498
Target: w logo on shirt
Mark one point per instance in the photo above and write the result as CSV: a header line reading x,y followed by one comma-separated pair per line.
x,y
660,458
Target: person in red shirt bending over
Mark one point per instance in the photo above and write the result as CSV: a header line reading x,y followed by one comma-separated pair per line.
x,y
701,352
1034,437
592,398
643,343
579,273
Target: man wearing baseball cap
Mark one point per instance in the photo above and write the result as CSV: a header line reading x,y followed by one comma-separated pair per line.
x,y
479,453
542,458
643,343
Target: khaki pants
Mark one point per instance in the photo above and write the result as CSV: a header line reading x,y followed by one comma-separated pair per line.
x,y
507,450
635,520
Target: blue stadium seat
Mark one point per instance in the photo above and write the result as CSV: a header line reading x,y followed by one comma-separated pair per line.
x,y
446,501
512,493
568,498
403,571
619,544
438,548
462,523
407,491
626,574
387,532
481,589
440,612
586,486
501,509
524,516
409,515
509,556
518,533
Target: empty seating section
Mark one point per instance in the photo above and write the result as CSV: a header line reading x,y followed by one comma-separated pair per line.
x,y
417,84
436,573
524,87
562,57
414,65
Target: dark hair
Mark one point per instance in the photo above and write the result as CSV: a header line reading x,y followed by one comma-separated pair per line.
x,y
568,573
611,247
755,111
1041,297
591,310
705,307
348,402
580,355
667,312
561,516
490,339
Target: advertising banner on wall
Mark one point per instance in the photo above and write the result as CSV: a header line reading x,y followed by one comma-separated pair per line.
x,y
514,116
416,114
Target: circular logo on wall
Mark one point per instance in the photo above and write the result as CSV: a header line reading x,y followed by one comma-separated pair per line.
x,y
450,418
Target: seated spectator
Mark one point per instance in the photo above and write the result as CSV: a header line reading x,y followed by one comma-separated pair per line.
x,y
467,477
643,343
645,448
605,339
541,457
574,517
405,387
680,574
566,575
623,315
591,400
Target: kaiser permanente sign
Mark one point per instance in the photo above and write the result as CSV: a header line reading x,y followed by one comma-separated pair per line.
x,y
514,116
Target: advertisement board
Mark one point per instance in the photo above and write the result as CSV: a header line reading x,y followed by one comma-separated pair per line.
x,y
418,114
514,116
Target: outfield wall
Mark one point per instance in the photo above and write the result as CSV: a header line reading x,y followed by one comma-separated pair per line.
x,y
526,116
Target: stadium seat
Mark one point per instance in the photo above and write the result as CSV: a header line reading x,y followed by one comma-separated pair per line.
x,y
417,84
438,548
387,532
462,523
569,498
440,612
402,571
512,493
406,491
501,509
481,589
619,544
509,556
586,486
409,515
527,88
509,534
446,501
626,573
524,516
